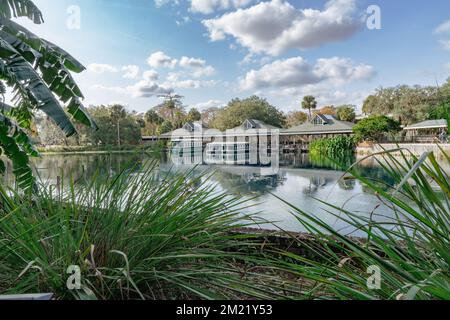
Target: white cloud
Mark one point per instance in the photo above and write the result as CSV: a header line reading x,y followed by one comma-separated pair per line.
x,y
443,28
208,104
174,76
197,66
209,6
183,21
281,73
276,26
190,84
296,72
131,71
150,75
447,65
160,59
342,70
146,88
187,62
100,68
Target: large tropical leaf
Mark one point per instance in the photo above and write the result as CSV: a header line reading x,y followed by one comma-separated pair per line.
x,y
17,146
51,51
54,73
25,80
20,8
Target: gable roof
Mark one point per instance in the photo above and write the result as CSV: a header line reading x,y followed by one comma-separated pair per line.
x,y
188,127
330,125
192,126
256,124
428,124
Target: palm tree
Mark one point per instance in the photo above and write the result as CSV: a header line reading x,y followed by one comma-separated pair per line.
x,y
38,72
172,101
309,103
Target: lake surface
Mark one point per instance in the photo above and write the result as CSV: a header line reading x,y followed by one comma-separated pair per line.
x,y
299,180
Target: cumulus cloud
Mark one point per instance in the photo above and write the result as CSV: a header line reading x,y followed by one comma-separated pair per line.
x,y
276,26
190,84
150,75
208,104
192,62
209,6
100,68
160,59
198,67
443,28
147,88
130,71
342,70
296,72
281,73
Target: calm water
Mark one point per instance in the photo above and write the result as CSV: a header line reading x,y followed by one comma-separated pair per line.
x,y
299,181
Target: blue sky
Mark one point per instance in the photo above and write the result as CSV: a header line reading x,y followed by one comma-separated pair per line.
x,y
213,50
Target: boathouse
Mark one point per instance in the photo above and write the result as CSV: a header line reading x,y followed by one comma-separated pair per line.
x,y
320,126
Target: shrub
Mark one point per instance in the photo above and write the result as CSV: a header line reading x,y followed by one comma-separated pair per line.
x,y
410,249
134,236
335,147
375,128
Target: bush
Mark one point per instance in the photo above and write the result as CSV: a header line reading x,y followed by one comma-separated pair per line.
x,y
409,249
375,128
133,236
335,147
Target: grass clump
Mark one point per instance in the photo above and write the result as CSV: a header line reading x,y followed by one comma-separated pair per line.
x,y
411,249
133,236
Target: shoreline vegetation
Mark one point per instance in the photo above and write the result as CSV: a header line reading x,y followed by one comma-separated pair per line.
x,y
151,235
144,236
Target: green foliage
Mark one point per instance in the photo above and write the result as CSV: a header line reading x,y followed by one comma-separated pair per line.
x,y
134,236
440,112
374,128
295,118
309,103
406,104
39,74
165,127
334,148
410,248
16,145
193,115
153,117
108,118
346,113
237,111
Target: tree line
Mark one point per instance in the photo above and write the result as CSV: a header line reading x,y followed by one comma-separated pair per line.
x,y
387,109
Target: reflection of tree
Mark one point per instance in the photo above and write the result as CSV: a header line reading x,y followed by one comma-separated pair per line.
x,y
248,184
313,161
81,167
347,184
315,183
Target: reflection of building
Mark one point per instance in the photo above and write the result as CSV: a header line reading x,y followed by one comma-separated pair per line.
x,y
251,143
227,153
320,126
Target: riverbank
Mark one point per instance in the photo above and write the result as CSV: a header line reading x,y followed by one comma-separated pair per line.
x,y
416,149
88,150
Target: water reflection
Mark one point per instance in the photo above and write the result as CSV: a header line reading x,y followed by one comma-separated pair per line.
x,y
300,181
